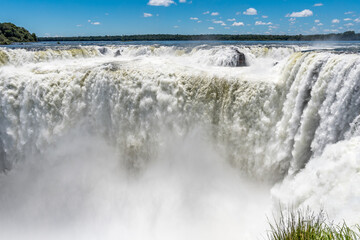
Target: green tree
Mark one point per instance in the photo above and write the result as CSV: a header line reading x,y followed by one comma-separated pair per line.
x,y
11,33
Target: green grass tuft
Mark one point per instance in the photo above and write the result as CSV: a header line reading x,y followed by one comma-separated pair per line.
x,y
307,225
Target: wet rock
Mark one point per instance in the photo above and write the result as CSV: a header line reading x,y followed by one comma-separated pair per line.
x,y
240,59
103,51
117,53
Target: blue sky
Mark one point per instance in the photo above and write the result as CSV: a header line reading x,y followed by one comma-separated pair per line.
x,y
123,17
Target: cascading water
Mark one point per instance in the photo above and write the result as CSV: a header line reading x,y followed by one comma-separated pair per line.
x,y
159,142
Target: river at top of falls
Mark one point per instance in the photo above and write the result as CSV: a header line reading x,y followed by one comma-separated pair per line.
x,y
174,140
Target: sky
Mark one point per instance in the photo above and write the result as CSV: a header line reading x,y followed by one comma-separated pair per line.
x,y
126,17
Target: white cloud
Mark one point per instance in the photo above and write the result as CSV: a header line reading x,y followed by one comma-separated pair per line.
x,y
317,21
95,23
320,24
335,20
211,28
207,12
89,21
348,12
303,13
250,11
349,24
292,19
227,27
318,4
199,21
262,23
176,26
238,24
182,1
357,20
231,19
264,16
347,19
147,15
79,25
218,22
214,14
194,18
313,29
164,3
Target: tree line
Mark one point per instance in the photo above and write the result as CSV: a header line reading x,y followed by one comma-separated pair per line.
x,y
346,36
10,33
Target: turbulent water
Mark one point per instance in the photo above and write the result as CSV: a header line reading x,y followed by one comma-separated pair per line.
x,y
175,142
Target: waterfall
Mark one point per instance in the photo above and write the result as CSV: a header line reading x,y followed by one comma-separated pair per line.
x,y
287,121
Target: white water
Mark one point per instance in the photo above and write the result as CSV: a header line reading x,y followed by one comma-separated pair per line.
x,y
159,142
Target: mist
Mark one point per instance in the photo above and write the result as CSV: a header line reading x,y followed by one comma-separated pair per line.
x,y
80,188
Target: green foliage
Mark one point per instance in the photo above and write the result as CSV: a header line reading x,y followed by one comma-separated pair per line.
x,y
348,36
306,225
3,39
11,33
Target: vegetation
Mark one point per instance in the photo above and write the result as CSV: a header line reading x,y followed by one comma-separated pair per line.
x,y
306,225
11,33
346,36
